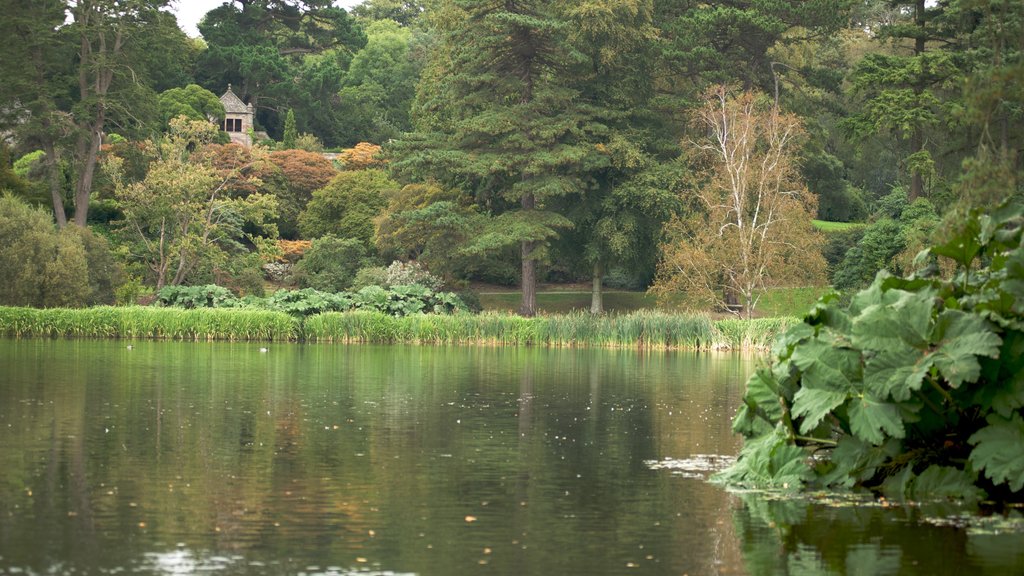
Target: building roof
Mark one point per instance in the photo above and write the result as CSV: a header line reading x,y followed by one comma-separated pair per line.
x,y
233,104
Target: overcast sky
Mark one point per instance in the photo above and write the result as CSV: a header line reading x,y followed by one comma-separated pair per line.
x,y
190,11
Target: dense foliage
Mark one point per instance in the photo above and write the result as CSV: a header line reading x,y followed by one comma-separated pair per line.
x,y
916,389
397,300
523,142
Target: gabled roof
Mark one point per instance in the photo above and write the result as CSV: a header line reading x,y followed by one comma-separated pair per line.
x,y
233,104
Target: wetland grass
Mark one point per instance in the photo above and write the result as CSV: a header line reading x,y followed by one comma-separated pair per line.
x,y
642,329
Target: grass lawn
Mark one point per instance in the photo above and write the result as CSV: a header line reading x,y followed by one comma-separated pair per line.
x,y
563,301
789,301
778,302
825,226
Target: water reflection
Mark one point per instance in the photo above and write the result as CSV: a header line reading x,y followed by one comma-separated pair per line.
x,y
179,458
839,536
174,458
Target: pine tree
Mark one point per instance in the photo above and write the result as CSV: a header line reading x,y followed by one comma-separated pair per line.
x,y
505,123
291,133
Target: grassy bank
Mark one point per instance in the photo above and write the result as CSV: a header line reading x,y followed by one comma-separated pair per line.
x,y
645,329
150,323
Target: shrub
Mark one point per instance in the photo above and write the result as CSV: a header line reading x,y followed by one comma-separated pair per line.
x,y
105,273
914,390
208,296
406,273
331,264
44,267
347,206
370,276
308,302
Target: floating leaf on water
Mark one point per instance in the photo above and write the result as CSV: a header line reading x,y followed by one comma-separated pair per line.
x,y
696,466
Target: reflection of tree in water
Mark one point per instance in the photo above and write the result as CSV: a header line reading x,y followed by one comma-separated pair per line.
x,y
781,535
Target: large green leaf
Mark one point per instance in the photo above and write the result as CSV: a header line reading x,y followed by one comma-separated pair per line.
x,y
999,450
896,372
813,404
825,366
945,482
853,461
961,337
963,247
769,461
871,419
763,395
904,322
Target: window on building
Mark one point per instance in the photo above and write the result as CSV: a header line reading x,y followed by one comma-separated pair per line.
x,y
231,125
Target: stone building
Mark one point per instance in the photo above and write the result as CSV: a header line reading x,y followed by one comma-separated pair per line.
x,y
237,118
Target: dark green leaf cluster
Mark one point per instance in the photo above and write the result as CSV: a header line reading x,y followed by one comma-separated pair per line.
x,y
395,301
916,389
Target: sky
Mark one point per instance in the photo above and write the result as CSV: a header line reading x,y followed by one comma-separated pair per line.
x,y
190,11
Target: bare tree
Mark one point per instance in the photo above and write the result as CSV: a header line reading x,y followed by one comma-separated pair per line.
x,y
753,228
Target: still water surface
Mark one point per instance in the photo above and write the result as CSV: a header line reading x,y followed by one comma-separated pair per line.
x,y
180,458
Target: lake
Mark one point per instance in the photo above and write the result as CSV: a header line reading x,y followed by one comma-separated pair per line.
x,y
181,458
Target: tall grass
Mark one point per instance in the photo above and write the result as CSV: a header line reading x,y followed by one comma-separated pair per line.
x,y
643,329
757,334
149,322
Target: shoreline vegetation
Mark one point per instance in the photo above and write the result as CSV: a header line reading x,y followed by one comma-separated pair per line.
x,y
642,329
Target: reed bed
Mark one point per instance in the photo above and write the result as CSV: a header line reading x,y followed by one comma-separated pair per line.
x,y
149,322
757,334
642,329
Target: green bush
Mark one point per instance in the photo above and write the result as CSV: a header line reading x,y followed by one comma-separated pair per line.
x,y
915,390
44,267
330,264
207,296
879,244
105,272
347,206
307,302
370,276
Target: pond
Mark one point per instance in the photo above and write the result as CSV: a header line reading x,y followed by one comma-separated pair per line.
x,y
180,458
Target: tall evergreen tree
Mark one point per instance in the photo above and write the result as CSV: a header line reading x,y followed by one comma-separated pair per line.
x,y
505,124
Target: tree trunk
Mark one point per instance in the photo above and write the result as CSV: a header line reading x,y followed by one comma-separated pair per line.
x,y
596,297
917,137
90,149
53,178
528,307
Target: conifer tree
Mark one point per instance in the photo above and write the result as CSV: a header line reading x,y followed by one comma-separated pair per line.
x,y
504,123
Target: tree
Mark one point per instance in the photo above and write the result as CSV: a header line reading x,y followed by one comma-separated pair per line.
x,y
361,156
754,227
404,12
106,31
616,215
36,76
192,101
499,120
347,206
907,89
721,42
301,173
260,47
180,216
47,267
331,264
428,223
379,87
291,132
